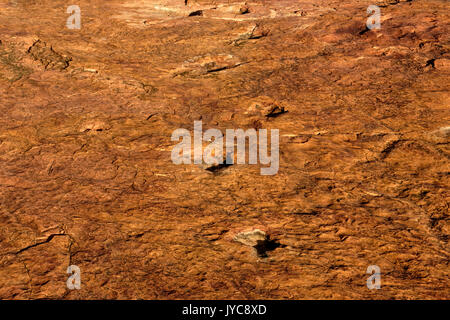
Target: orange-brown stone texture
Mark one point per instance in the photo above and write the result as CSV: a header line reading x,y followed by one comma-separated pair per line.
x,y
86,176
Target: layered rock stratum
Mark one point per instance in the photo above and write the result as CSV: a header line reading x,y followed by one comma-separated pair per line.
x,y
86,177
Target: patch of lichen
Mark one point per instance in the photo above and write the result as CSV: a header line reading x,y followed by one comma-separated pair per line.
x,y
11,68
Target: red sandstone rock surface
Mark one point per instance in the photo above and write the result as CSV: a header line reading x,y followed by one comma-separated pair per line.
x,y
86,176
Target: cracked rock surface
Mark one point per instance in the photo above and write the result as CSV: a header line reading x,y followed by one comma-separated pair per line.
x,y
86,176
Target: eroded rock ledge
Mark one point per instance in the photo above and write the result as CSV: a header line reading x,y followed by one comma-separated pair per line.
x,y
86,176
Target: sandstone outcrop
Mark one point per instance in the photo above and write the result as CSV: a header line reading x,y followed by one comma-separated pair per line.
x,y
86,177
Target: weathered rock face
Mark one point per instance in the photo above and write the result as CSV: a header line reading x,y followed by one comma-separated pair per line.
x,y
86,176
